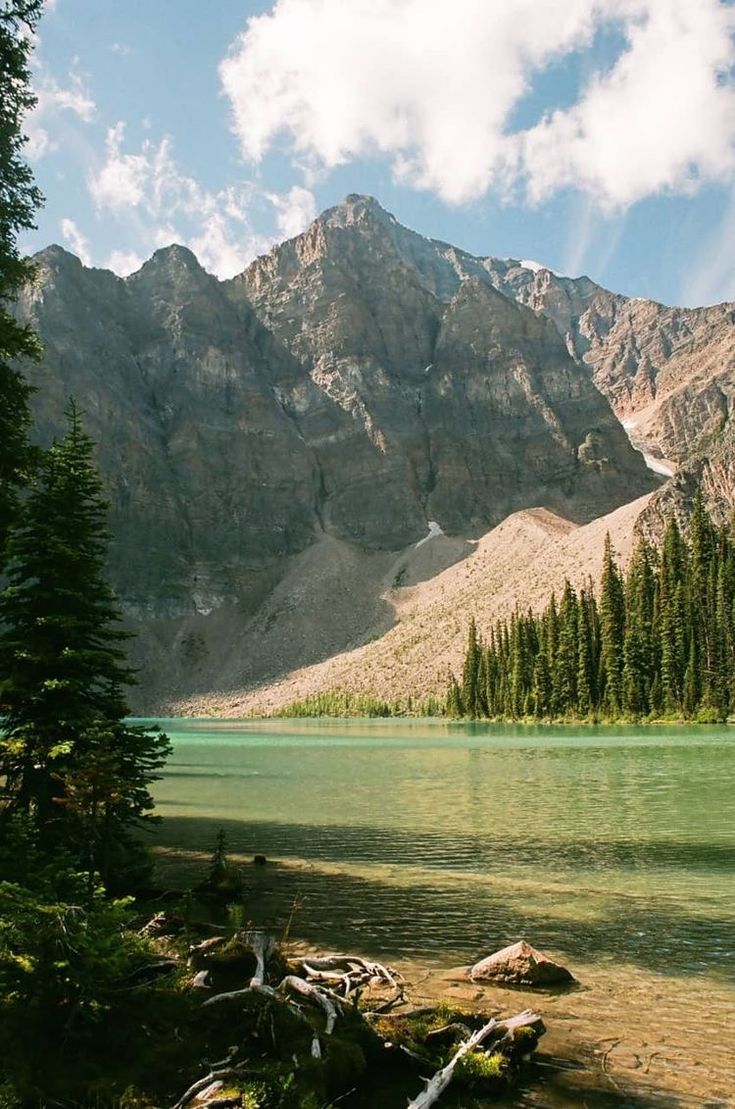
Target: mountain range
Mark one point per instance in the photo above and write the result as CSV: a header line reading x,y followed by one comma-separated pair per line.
x,y
287,452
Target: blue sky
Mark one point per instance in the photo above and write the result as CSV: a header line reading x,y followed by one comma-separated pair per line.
x,y
598,138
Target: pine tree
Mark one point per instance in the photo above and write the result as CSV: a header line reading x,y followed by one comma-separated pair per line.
x,y
564,675
585,663
471,672
638,653
19,199
612,628
67,756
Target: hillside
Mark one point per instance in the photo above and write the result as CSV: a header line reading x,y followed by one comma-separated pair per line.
x,y
414,618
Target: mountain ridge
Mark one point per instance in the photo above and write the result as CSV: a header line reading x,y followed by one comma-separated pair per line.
x,y
353,387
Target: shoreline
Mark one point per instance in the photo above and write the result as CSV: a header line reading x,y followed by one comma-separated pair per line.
x,y
623,1037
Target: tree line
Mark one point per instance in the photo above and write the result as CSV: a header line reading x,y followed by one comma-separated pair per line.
x,y
658,641
75,775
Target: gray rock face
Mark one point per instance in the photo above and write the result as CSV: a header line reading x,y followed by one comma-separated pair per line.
x,y
356,382
669,372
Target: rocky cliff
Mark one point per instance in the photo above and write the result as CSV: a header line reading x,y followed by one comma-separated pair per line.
x,y
669,374
354,389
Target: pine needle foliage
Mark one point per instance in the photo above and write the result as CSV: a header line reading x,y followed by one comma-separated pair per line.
x,y
68,758
19,199
658,642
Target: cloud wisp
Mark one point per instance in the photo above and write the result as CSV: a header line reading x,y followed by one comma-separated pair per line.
x,y
148,188
433,86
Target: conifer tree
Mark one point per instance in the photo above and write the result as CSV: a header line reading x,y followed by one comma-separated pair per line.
x,y
471,672
68,758
612,628
638,652
19,199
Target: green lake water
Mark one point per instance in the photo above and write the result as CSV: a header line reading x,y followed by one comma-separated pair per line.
x,y
612,847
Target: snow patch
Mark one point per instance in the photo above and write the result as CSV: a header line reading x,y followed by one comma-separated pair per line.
x,y
657,465
434,530
537,267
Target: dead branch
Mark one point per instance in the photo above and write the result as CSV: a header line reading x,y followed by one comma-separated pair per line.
x,y
500,1032
328,1002
263,947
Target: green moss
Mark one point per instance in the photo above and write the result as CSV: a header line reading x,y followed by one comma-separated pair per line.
x,y
475,1067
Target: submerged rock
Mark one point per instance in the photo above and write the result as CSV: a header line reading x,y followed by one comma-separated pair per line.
x,y
521,965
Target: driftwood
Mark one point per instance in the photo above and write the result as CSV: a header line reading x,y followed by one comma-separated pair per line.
x,y
263,947
350,970
500,1032
218,1073
328,1002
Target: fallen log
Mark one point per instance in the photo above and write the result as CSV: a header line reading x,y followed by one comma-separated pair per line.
x,y
500,1033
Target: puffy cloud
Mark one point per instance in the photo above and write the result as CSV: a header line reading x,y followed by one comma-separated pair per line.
x,y
433,86
78,242
53,100
122,181
165,205
294,210
663,118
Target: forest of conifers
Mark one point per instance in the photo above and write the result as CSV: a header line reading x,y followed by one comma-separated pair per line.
x,y
658,642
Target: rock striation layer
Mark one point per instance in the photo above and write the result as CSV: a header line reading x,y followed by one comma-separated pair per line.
x,y
351,390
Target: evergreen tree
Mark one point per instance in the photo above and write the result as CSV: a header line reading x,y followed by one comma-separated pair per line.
x,y
585,659
564,675
19,199
662,639
471,672
638,654
612,629
67,756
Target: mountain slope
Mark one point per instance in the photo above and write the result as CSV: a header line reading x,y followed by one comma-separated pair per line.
x,y
416,614
354,389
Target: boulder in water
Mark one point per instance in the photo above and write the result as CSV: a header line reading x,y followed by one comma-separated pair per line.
x,y
520,965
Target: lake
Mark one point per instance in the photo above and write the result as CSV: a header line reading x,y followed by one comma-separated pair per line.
x,y
440,842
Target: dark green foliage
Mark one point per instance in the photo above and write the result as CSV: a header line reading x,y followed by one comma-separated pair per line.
x,y
659,642
68,758
19,199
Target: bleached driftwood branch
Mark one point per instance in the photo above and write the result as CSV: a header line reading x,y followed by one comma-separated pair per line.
x,y
500,1032
263,947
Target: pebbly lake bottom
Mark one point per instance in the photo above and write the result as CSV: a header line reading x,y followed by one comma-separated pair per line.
x,y
429,844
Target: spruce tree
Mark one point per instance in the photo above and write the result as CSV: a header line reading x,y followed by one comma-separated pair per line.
x,y
612,630
19,199
67,756
471,672
638,653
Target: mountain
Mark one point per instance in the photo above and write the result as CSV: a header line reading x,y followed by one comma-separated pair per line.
x,y
669,374
354,391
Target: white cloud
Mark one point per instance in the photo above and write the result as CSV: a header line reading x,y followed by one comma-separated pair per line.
x,y
165,205
295,210
54,99
662,119
121,182
78,242
124,262
433,85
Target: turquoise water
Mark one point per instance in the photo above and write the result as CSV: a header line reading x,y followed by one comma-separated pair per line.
x,y
437,840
